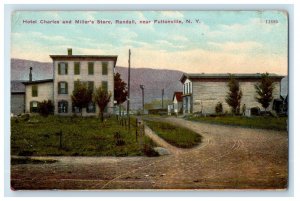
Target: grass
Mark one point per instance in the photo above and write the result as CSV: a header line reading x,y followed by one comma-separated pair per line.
x,y
262,122
40,136
27,160
175,135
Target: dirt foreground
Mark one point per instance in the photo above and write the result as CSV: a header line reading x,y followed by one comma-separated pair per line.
x,y
228,158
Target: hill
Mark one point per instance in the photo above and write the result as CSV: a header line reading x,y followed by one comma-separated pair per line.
x,y
154,80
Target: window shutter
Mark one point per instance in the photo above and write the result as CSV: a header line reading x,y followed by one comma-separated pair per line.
x,y
58,88
34,91
59,107
104,68
76,68
91,68
59,69
66,87
104,85
91,85
31,104
66,68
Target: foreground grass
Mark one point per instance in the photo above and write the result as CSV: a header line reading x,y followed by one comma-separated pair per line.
x,y
39,136
175,135
262,122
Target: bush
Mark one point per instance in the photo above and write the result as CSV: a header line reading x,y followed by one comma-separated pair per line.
x,y
45,108
149,151
219,108
119,141
255,111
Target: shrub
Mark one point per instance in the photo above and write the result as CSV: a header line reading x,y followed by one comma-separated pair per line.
x,y
119,141
255,111
149,151
219,108
45,108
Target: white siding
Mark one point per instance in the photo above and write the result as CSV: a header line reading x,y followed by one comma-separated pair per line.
x,y
97,78
45,92
207,94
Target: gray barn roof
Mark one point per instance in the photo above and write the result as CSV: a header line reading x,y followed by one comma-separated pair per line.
x,y
16,86
225,76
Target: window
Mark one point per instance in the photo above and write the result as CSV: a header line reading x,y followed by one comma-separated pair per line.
x,y
33,106
77,68
62,106
104,85
104,68
91,108
91,68
62,88
34,91
187,88
76,109
62,68
91,86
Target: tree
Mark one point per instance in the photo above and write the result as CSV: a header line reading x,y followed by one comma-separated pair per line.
x,y
120,91
45,108
264,90
234,96
81,96
219,108
102,98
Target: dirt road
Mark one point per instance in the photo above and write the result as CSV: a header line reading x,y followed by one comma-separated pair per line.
x,y
228,158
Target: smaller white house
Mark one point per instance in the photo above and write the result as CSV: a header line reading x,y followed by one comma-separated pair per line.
x,y
177,102
37,91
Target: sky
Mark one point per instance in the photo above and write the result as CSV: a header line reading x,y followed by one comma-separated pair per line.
x,y
214,41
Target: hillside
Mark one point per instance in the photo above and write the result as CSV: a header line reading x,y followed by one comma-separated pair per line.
x,y
154,80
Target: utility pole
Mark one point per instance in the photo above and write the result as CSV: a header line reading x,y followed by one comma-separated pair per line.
x,y
142,87
162,98
128,99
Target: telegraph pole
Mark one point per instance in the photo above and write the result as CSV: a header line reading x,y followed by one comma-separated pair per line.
x,y
142,87
162,98
128,99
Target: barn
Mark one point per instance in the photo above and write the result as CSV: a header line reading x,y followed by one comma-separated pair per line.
x,y
202,92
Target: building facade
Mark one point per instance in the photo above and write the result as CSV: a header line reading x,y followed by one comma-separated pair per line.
x,y
202,92
37,91
177,102
17,97
94,70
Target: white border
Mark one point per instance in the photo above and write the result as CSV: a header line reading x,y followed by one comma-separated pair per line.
x,y
5,102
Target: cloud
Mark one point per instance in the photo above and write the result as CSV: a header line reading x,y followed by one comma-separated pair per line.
x,y
243,46
172,14
179,38
199,60
39,36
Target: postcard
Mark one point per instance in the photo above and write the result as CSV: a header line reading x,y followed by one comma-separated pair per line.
x,y
158,100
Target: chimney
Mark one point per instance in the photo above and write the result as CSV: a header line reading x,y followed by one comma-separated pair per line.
x,y
30,74
69,51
